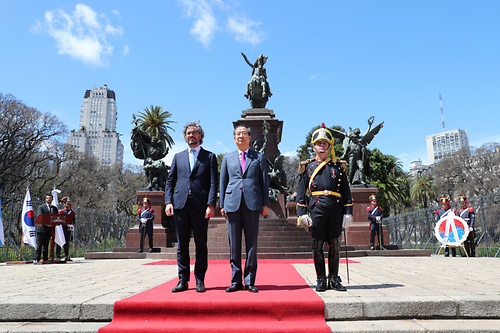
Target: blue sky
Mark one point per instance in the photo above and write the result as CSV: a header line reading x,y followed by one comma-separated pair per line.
x,y
337,62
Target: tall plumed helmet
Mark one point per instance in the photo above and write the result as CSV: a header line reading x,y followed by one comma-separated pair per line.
x,y
324,134
444,200
66,199
146,199
463,198
373,197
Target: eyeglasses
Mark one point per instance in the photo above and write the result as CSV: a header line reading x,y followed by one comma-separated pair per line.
x,y
241,133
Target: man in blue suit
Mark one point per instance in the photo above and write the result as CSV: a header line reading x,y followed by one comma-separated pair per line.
x,y
244,195
193,176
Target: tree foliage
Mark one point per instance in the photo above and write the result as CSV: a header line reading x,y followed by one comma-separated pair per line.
x,y
156,123
290,166
422,190
391,181
30,143
471,171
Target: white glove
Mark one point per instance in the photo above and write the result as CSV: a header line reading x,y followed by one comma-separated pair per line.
x,y
471,229
70,227
378,218
346,220
304,220
144,220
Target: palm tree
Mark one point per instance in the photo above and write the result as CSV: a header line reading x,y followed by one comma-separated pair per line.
x,y
154,121
391,181
422,189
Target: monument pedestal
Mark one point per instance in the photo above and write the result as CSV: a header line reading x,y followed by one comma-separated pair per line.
x,y
358,232
161,236
254,120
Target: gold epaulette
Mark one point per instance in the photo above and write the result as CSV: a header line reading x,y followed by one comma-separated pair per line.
x,y
344,165
302,166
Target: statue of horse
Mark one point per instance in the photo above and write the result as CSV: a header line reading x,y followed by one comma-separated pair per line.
x,y
258,91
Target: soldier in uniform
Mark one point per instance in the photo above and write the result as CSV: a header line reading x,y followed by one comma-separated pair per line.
x,y
145,217
324,178
375,215
66,228
467,213
444,211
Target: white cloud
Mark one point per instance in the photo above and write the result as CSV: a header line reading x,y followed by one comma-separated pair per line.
x,y
244,30
315,76
126,50
205,24
81,34
407,158
482,141
223,148
292,153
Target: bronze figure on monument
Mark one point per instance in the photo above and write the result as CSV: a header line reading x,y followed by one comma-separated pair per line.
x,y
355,152
151,150
258,91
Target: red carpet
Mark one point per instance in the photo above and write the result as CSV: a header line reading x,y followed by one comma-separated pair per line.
x,y
285,303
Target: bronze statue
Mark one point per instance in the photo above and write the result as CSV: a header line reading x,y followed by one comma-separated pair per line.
x,y
355,151
258,91
151,150
275,170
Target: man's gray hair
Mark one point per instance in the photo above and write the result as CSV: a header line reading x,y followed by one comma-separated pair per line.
x,y
240,125
198,128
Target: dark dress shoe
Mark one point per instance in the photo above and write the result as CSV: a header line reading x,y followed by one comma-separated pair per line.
x,y
252,289
200,287
335,284
234,287
139,251
181,286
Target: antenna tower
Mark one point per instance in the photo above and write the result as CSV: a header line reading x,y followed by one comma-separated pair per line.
x,y
442,113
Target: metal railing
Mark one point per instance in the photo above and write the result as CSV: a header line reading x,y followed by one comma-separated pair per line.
x,y
94,231
415,230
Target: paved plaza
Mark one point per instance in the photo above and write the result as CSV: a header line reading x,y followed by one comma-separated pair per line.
x,y
385,294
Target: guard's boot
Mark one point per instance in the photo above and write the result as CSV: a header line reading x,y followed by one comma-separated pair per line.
x,y
335,284
319,263
446,252
150,239
322,285
382,242
141,246
333,259
372,246
453,252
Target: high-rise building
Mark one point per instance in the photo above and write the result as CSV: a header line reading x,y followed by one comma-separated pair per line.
x,y
97,130
443,144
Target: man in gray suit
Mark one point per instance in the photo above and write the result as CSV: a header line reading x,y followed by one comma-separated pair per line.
x,y
244,195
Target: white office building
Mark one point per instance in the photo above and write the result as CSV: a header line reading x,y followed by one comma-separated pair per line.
x,y
97,134
443,144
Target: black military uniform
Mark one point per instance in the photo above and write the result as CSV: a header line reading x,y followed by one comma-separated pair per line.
x,y
375,215
329,199
146,217
66,229
467,214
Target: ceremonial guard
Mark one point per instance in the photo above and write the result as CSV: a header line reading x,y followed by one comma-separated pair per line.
x,y
375,215
467,214
323,198
66,228
145,217
444,211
